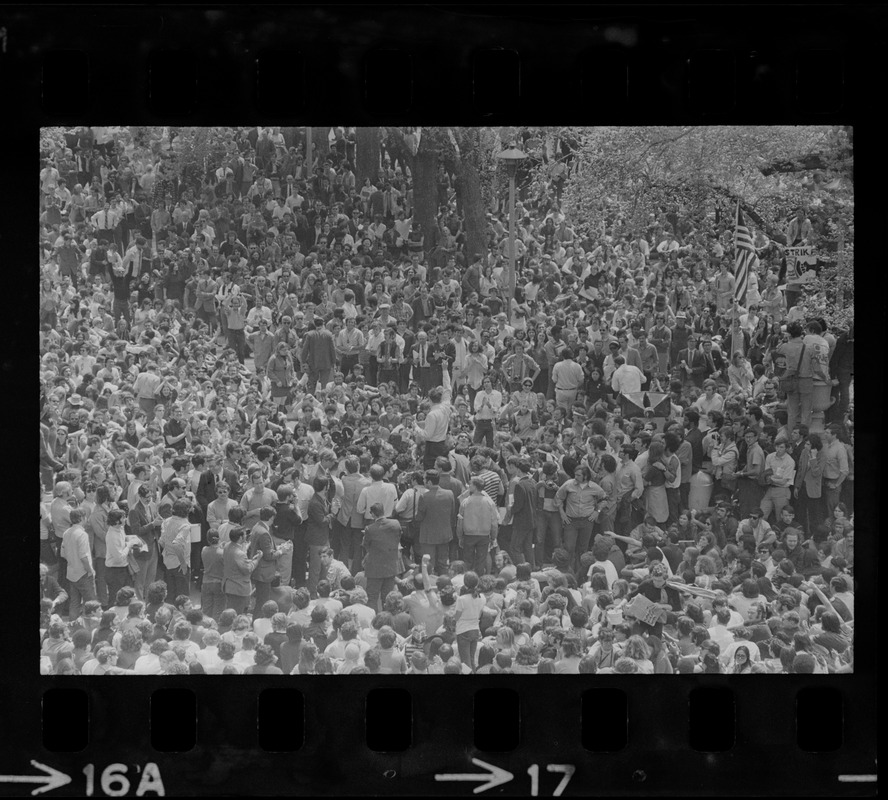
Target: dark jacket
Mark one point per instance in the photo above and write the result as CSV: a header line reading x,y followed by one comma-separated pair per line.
x,y
524,506
260,539
318,351
381,540
652,593
50,589
435,514
206,487
700,368
317,528
286,521
694,438
236,569
141,525
842,360
452,484
810,473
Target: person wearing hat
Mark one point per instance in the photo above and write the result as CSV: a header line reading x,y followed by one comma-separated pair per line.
x,y
527,397
75,401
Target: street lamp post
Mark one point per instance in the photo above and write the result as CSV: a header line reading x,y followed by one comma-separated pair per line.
x,y
511,158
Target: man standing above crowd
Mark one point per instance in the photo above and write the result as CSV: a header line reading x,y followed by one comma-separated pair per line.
x,y
835,467
318,356
435,514
780,472
379,491
381,540
436,428
568,377
523,514
477,525
80,573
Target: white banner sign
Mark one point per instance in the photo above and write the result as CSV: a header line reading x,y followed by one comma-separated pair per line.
x,y
798,260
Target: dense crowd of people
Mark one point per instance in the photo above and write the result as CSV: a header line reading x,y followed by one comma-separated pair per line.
x,y
284,429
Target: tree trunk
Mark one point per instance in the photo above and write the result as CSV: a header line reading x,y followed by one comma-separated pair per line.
x,y
367,156
397,149
469,196
293,136
772,230
319,143
425,188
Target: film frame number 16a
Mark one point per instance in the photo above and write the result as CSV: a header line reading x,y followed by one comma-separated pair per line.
x,y
114,782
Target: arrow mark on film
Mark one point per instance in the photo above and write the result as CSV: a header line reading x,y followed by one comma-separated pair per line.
x,y
53,779
494,776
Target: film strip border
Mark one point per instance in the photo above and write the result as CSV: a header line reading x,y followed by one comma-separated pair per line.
x,y
339,736
404,65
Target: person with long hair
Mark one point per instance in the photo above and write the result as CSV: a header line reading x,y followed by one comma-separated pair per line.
x,y
640,652
739,376
655,475
467,614
741,663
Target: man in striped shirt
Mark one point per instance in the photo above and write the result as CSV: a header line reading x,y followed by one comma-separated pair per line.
x,y
493,485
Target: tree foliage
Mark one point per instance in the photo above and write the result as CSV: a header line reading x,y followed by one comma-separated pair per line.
x,y
634,173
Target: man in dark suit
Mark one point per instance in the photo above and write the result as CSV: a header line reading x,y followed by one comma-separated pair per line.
x,y
381,540
708,363
524,514
450,482
206,486
317,531
685,360
438,357
632,356
435,515
423,307
422,366
694,436
318,356
404,369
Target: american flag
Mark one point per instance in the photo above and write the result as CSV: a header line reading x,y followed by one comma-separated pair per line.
x,y
744,258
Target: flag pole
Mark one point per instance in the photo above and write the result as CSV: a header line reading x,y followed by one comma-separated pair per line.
x,y
734,317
